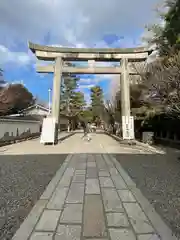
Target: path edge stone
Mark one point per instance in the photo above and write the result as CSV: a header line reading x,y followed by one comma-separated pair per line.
x,y
54,182
27,226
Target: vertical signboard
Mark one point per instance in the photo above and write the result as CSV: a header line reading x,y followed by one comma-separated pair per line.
x,y
128,127
48,130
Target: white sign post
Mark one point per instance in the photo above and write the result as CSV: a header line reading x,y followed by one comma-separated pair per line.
x,y
128,127
48,130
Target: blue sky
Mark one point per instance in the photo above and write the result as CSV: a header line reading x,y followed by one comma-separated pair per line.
x,y
78,23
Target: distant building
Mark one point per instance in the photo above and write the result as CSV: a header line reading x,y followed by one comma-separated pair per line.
x,y
38,112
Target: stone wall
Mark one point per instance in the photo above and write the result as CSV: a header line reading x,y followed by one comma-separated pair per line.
x,y
13,129
16,129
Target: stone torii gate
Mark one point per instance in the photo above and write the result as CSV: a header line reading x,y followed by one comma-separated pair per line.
x,y
60,55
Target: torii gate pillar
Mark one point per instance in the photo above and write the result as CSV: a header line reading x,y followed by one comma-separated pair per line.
x,y
125,91
56,94
127,119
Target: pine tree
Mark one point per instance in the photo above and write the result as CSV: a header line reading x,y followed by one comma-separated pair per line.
x,y
97,102
72,101
167,37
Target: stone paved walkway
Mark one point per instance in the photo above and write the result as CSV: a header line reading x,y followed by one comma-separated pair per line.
x,y
92,197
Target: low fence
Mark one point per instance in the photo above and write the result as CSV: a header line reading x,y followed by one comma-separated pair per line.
x,y
13,130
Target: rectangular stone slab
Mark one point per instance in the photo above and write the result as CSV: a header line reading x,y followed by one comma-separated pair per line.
x,y
72,213
48,220
76,193
92,186
91,172
58,198
112,202
138,219
94,220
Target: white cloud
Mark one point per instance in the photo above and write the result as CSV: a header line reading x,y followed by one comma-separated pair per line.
x,y
18,58
76,22
85,81
88,86
95,80
72,23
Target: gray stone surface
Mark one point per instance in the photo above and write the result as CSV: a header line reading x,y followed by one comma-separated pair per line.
x,y
103,180
58,198
92,172
79,178
67,177
72,213
118,182
124,234
91,164
113,171
27,226
104,174
117,220
80,166
76,193
123,174
137,218
94,222
52,185
80,172
117,179
148,237
92,186
48,220
42,236
90,157
68,232
126,196
101,165
106,182
111,200
108,161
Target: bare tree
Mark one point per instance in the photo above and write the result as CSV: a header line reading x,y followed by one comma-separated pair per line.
x,y
162,77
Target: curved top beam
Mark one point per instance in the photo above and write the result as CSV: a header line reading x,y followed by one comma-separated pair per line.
x,y
36,47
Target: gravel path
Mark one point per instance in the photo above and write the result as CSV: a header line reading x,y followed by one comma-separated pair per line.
x,y
22,181
158,177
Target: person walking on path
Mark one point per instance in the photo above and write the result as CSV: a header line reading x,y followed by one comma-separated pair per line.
x,y
86,130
